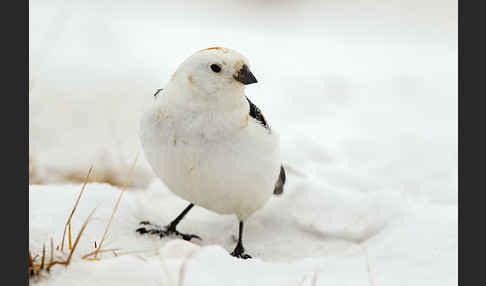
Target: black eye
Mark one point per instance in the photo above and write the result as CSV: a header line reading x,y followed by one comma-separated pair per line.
x,y
215,68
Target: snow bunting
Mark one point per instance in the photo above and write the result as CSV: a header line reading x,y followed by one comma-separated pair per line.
x,y
209,143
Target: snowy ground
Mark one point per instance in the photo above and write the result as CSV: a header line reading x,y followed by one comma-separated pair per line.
x,y
347,239
363,95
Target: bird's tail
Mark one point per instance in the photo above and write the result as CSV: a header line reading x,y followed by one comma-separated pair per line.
x,y
279,186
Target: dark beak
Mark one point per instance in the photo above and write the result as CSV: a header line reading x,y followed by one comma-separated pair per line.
x,y
245,76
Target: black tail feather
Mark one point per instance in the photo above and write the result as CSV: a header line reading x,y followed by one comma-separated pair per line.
x,y
279,186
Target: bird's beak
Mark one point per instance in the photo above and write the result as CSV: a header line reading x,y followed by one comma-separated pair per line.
x,y
245,76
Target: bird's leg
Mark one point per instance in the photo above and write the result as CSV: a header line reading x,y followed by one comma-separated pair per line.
x,y
239,249
169,229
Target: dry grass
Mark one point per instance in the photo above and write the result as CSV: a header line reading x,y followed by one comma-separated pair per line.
x,y
95,253
104,175
36,268
33,176
68,222
112,250
39,265
107,176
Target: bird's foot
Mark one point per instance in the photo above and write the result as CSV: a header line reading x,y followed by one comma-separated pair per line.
x,y
239,252
150,228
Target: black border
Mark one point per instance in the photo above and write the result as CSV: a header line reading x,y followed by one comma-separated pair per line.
x,y
460,170
14,22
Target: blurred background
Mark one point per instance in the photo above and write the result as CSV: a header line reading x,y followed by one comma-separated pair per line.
x,y
362,93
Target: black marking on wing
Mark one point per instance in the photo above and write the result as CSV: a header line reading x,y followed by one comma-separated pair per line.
x,y
279,185
157,92
257,114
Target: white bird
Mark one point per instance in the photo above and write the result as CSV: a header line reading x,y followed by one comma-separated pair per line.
x,y
209,143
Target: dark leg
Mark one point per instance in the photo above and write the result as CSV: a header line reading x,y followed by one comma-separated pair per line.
x,y
239,249
169,229
175,222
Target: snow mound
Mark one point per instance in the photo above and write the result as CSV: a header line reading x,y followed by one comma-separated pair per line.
x,y
309,233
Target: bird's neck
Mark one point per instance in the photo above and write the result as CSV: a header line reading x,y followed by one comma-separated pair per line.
x,y
186,98
213,121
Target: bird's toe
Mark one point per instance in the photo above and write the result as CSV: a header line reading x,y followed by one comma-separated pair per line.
x,y
188,237
141,230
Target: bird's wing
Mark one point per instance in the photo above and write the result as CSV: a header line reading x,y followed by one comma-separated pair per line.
x,y
257,114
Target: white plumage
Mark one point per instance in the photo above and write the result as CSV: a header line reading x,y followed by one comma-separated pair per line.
x,y
201,141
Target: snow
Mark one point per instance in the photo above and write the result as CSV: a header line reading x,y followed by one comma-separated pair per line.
x,y
334,234
363,95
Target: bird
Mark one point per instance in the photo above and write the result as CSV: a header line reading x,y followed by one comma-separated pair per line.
x,y
209,144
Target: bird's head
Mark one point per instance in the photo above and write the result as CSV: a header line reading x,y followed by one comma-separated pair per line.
x,y
215,72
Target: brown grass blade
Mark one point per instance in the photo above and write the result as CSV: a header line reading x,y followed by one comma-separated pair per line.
x,y
54,263
70,241
135,251
43,256
116,206
74,208
79,236
86,256
31,263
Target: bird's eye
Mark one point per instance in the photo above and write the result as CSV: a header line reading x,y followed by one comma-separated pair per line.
x,y
215,68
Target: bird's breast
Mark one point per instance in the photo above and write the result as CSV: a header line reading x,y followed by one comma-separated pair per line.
x,y
205,158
